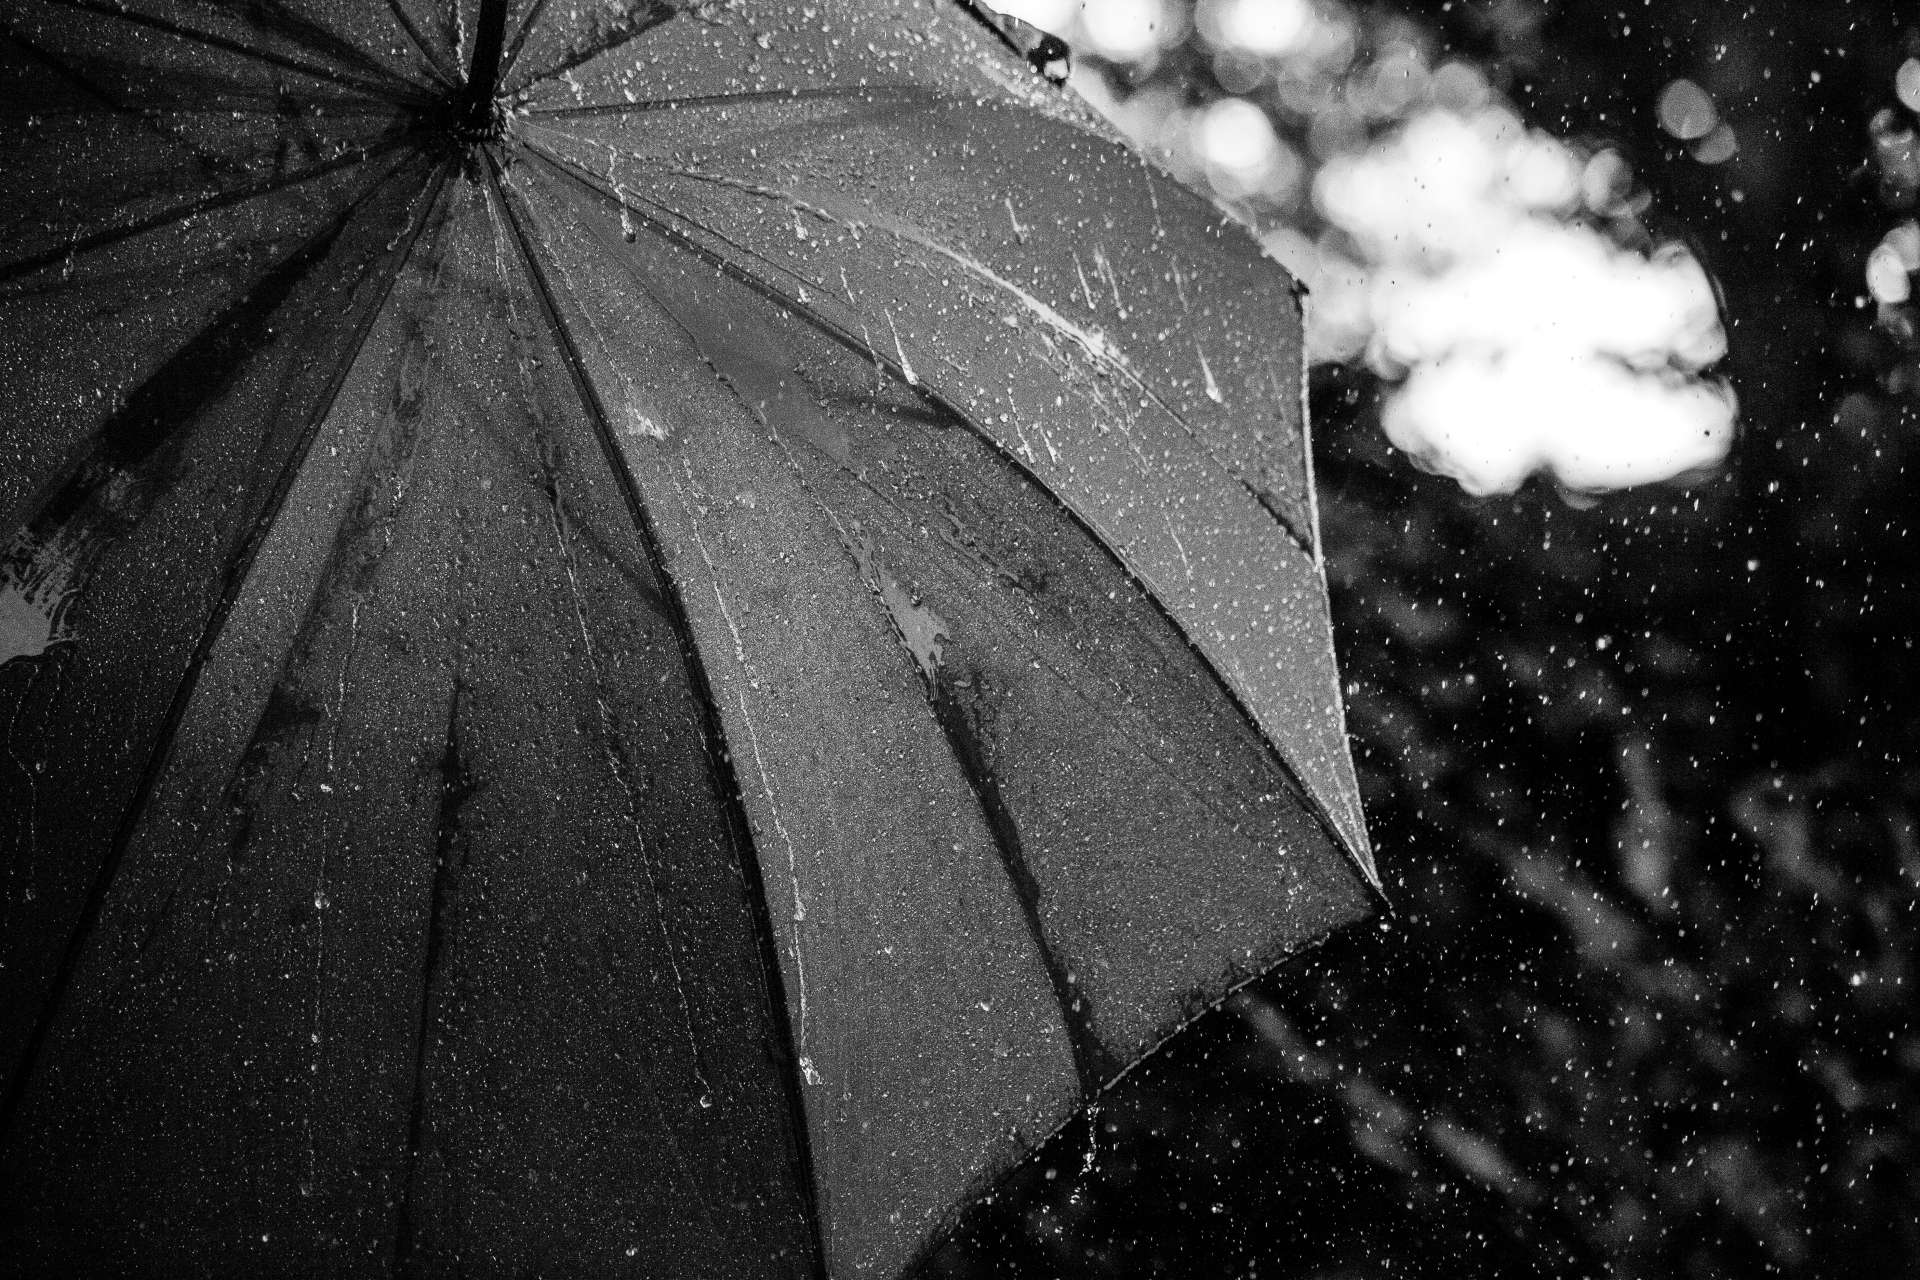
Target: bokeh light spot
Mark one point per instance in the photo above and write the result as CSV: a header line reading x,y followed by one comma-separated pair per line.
x,y
1887,275
1127,30
1686,111
1265,28
1906,84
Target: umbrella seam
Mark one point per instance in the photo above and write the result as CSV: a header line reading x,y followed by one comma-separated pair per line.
x,y
720,769
645,106
161,751
441,72
1093,343
414,92
62,67
1095,706
456,787
179,213
528,21
828,327
979,779
574,59
1091,1057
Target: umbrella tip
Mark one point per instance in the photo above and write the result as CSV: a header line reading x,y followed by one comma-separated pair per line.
x,y
1046,53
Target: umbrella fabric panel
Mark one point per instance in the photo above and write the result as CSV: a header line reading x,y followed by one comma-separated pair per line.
x,y
1130,746
434,28
1110,763
127,231
547,42
1123,770
130,558
728,55
929,1042
246,45
452,920
414,42
920,113
87,167
901,221
94,382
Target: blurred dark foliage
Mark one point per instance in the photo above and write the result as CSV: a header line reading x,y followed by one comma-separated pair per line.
x,y
1642,777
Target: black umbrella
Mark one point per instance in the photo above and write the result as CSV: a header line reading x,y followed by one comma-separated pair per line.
x,y
638,638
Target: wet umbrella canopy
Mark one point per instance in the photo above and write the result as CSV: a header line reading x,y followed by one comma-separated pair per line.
x,y
637,639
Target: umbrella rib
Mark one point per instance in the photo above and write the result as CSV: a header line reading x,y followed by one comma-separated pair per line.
x,y
1092,1060
412,92
240,567
828,327
456,787
139,429
323,39
913,235
441,72
655,15
62,68
719,766
1100,708
335,108
179,213
520,34
151,118
644,106
674,235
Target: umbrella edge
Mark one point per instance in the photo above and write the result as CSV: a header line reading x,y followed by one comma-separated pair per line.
x,y
948,1229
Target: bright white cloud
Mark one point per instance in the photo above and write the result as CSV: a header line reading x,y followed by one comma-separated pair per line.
x,y
1491,421
1526,339
1555,288
1265,28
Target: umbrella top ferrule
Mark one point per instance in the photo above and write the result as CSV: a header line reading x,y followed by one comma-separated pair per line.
x,y
478,122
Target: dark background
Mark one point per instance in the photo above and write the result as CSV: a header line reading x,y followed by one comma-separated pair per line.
x,y
1640,774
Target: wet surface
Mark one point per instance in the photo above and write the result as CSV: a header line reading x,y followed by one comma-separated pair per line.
x,y
689,652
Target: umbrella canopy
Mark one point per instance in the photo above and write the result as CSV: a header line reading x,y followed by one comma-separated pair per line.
x,y
635,638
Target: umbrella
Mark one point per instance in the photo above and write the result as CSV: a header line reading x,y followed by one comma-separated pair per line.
x,y
639,638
